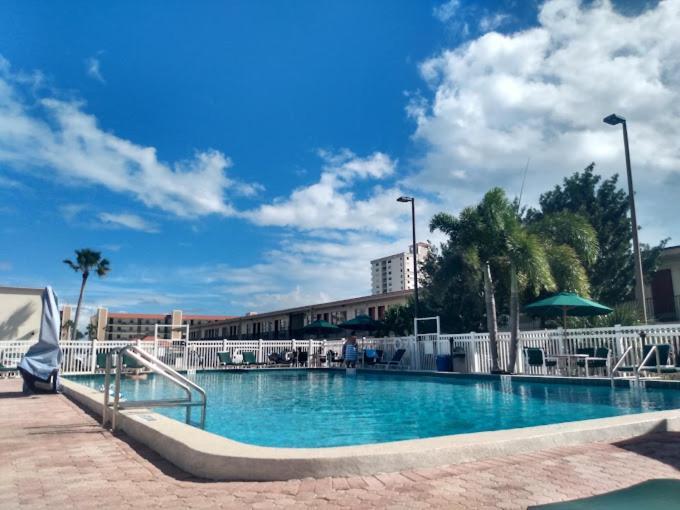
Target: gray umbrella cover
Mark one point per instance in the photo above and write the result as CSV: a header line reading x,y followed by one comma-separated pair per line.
x,y
44,357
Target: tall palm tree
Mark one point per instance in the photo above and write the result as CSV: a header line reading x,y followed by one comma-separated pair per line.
x,y
546,255
86,261
530,258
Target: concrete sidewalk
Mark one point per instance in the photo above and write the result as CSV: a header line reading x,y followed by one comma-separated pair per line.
x,y
54,455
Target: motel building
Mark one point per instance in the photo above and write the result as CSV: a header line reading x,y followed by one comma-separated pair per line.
x,y
287,324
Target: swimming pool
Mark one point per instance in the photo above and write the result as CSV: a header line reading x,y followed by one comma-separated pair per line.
x,y
315,408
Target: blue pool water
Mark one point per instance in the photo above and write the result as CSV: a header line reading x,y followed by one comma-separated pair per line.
x,y
297,408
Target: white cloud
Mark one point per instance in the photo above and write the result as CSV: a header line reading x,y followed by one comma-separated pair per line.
x,y
542,93
126,220
444,12
93,69
331,203
5,266
50,136
493,21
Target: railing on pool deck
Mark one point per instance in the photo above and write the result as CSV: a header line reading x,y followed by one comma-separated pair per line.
x,y
86,356
156,366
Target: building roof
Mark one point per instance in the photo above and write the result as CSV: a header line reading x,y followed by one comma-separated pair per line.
x,y
329,304
209,317
122,315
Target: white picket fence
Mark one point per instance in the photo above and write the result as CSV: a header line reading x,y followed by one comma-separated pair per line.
x,y
85,356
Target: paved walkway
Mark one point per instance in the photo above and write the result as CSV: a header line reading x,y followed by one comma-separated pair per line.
x,y
54,455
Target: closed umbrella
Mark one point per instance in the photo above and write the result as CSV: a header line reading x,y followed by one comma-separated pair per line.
x,y
564,304
41,361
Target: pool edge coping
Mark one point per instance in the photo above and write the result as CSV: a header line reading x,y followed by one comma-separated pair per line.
x,y
211,456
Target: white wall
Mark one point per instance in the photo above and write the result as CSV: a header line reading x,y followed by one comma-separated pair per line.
x,y
20,312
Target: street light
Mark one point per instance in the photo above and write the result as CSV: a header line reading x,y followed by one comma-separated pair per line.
x,y
613,120
415,249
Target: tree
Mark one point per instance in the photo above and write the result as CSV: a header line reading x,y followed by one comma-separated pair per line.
x,y
86,261
66,328
605,206
479,239
501,251
91,331
399,319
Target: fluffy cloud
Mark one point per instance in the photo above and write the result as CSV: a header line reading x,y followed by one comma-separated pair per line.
x,y
126,220
331,202
542,93
49,136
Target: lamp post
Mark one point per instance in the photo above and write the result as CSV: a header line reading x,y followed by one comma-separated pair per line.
x,y
415,249
613,120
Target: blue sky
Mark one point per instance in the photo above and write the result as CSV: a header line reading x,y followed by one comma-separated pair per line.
x,y
237,156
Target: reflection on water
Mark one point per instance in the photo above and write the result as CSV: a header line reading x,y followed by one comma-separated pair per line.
x,y
295,408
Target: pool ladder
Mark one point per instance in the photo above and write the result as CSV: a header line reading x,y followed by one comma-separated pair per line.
x,y
157,366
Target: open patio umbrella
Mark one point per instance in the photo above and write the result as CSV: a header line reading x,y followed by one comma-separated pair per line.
x,y
362,323
320,327
566,303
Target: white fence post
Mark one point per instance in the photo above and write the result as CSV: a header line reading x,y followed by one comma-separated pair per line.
x,y
186,355
475,352
260,354
93,355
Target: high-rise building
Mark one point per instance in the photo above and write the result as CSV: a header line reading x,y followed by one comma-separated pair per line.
x,y
395,272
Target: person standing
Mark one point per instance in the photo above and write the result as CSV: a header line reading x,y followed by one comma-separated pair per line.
x,y
350,352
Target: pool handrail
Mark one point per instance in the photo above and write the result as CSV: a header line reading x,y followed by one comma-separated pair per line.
x,y
620,362
157,366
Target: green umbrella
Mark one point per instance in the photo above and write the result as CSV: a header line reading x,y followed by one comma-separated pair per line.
x,y
320,327
566,303
362,323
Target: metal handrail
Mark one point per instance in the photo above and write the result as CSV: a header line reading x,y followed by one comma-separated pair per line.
x,y
618,363
157,366
653,350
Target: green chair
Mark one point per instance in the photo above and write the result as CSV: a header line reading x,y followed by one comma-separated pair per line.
x,y
535,357
249,358
130,363
101,361
660,494
599,355
226,360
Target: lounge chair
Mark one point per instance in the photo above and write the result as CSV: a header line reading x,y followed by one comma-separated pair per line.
x,y
226,360
535,357
394,362
659,494
302,358
249,358
659,361
8,370
372,356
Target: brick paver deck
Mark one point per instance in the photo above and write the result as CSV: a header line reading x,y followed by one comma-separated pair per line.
x,y
54,455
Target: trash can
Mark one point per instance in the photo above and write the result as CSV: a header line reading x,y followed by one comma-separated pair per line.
x,y
443,363
458,361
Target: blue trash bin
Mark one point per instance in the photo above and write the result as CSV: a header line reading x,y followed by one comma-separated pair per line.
x,y
444,363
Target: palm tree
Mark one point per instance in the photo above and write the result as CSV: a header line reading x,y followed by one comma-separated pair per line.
x,y
91,331
66,328
481,233
532,258
86,260
547,255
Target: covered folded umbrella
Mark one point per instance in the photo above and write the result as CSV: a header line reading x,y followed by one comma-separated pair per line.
x,y
43,359
566,303
320,327
362,323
